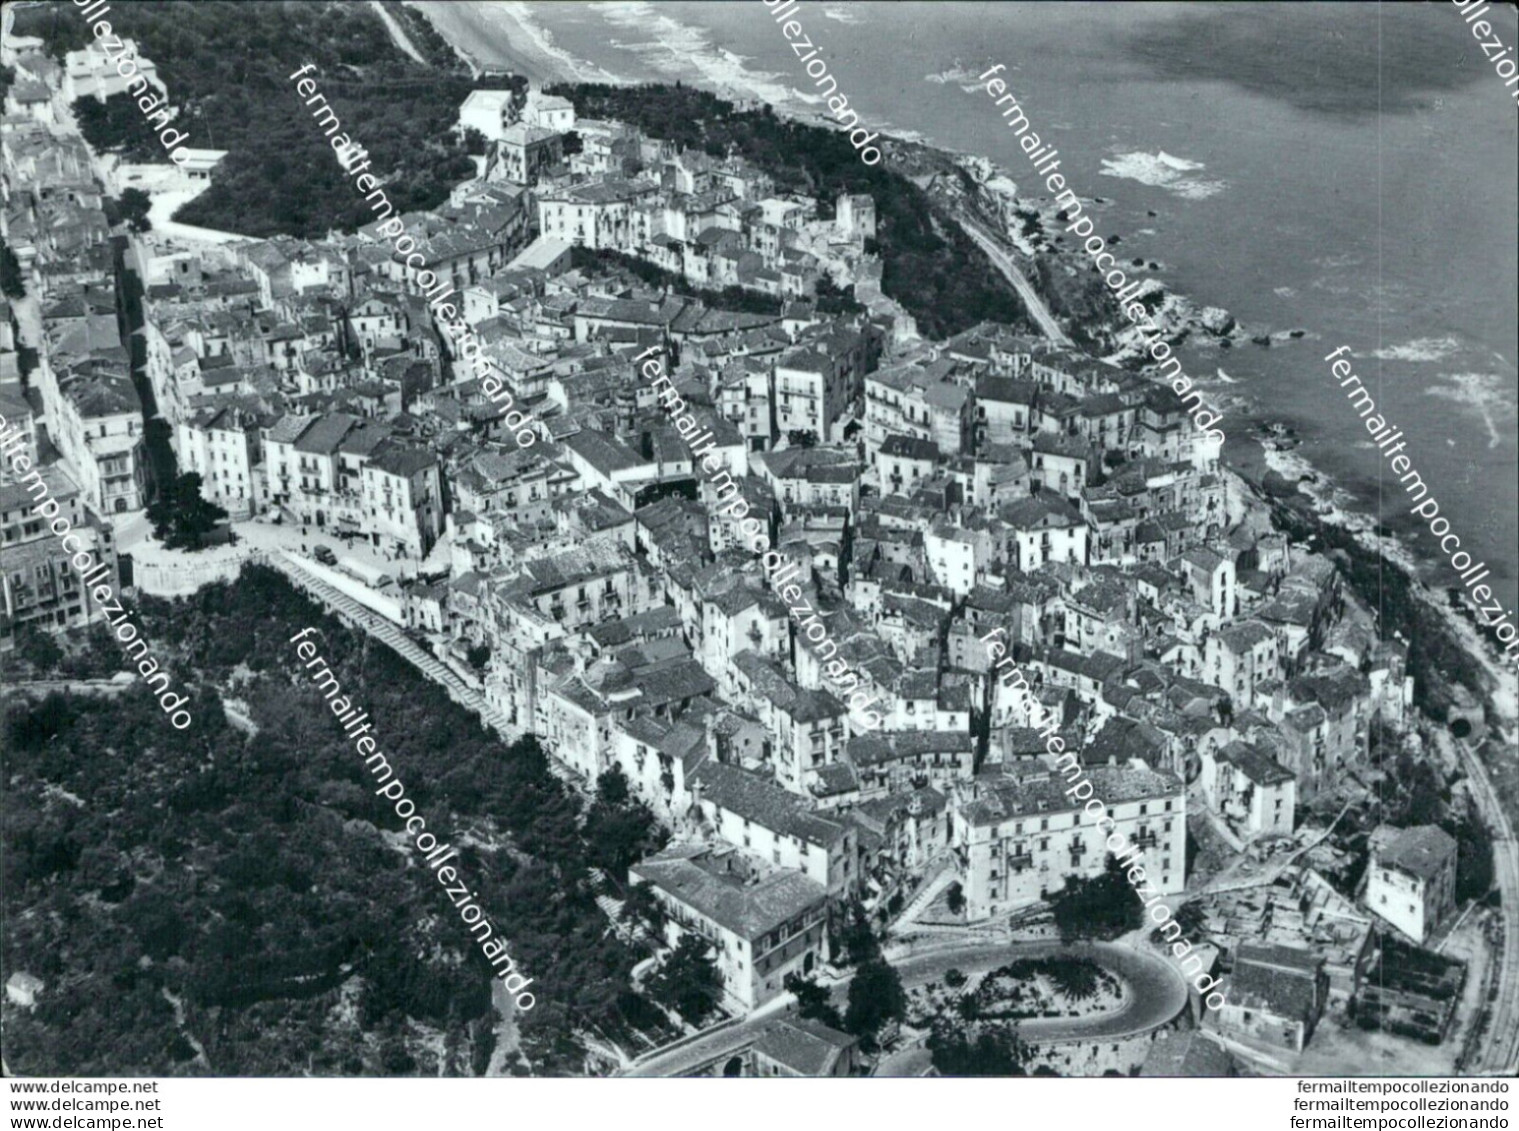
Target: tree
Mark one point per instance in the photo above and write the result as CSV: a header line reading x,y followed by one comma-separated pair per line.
x,y
476,144
813,1001
11,282
955,898
182,517
612,787
619,828
1102,907
995,1051
875,997
641,906
38,649
689,981
1189,916
832,299
1474,857
858,937
802,438
131,209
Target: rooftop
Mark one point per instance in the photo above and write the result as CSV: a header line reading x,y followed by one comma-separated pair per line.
x,y
720,888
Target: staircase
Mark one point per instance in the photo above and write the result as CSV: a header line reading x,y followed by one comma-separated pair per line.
x,y
359,616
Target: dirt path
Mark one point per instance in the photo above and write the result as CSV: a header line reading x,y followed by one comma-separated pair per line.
x,y
396,33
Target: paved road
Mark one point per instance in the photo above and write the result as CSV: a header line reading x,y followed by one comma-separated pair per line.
x,y
1500,1051
1004,262
1157,994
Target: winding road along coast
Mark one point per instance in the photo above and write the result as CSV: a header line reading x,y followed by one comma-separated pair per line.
x,y
1156,994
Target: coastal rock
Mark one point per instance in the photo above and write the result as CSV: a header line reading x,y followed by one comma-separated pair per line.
x,y
1217,321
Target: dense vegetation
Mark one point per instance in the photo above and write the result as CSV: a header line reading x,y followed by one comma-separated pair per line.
x,y
994,1051
257,885
131,209
227,65
1435,656
424,37
688,980
876,996
938,274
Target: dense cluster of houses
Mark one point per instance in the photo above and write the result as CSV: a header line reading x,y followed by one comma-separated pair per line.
x,y
931,492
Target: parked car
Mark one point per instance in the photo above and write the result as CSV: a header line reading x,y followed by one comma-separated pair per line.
x,y
326,556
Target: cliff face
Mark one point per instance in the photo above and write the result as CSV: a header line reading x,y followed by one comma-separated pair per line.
x,y
1079,298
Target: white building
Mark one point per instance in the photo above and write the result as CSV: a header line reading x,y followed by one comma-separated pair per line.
x,y
1250,789
549,112
761,928
1017,839
749,810
99,431
223,446
593,215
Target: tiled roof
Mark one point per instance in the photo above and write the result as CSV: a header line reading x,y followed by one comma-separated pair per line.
x,y
1422,851
750,910
808,1048
764,803
1045,793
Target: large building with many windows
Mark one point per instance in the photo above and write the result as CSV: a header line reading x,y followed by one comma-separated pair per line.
x,y
38,585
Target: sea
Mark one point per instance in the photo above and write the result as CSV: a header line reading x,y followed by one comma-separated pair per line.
x,y
1331,174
